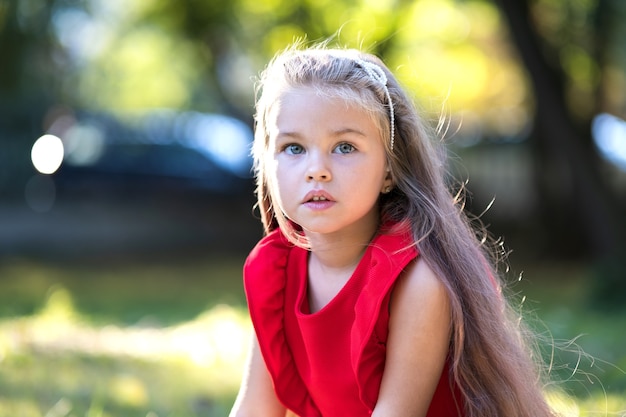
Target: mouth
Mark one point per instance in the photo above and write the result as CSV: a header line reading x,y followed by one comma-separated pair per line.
x,y
318,196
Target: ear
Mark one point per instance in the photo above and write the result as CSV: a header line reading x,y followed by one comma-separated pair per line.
x,y
387,182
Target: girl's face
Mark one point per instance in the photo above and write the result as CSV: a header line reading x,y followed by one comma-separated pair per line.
x,y
327,164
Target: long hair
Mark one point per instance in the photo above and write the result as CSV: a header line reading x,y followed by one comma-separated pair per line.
x,y
491,362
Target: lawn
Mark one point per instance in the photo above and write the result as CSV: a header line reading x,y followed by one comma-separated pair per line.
x,y
169,338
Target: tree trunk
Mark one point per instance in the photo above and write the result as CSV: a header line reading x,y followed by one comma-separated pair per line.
x,y
567,162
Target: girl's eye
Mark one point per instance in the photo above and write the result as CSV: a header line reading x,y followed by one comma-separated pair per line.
x,y
294,149
345,148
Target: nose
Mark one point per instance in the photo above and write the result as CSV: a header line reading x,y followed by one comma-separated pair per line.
x,y
317,168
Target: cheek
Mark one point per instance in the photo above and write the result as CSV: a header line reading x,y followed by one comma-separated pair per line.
x,y
372,174
278,181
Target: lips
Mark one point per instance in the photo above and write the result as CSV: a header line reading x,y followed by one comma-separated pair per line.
x,y
318,200
316,196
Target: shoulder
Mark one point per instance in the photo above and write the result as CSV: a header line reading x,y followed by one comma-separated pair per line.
x,y
419,282
272,247
273,241
267,261
419,299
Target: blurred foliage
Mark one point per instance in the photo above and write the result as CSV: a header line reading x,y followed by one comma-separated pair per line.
x,y
586,38
134,55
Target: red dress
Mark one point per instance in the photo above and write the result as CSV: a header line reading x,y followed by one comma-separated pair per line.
x,y
330,363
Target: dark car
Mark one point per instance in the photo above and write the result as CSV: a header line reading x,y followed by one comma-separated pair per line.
x,y
188,149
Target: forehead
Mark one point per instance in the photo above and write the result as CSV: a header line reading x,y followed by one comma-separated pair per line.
x,y
299,107
313,97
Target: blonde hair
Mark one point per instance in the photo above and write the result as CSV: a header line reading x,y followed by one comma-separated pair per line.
x,y
490,362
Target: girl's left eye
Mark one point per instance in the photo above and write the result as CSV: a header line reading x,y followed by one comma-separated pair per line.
x,y
345,148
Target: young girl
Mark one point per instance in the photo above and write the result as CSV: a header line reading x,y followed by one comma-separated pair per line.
x,y
370,293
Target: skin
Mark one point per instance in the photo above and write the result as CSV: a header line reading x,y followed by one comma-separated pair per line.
x,y
321,146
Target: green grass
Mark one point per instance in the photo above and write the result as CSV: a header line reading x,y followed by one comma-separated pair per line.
x,y
160,291
155,322
589,344
168,339
583,347
50,361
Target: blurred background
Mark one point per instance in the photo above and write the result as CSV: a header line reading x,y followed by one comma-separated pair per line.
x,y
126,199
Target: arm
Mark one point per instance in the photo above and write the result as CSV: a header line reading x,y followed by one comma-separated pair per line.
x,y
256,395
418,342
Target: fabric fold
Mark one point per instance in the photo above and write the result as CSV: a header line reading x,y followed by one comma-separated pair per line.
x,y
265,281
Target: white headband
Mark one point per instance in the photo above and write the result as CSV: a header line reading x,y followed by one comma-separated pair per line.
x,y
377,74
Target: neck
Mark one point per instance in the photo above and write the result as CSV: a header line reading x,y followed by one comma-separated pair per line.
x,y
340,250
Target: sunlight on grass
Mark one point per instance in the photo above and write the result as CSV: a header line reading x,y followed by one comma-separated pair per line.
x,y
596,406
130,368
129,390
564,405
217,337
59,306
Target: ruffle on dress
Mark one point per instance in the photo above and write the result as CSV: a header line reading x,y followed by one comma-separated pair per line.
x,y
265,280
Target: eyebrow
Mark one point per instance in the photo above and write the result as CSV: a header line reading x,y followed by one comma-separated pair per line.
x,y
347,130
288,134
337,132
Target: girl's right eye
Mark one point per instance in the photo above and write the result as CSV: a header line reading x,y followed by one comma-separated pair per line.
x,y
293,149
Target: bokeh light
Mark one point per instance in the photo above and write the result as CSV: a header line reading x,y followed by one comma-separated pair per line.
x,y
85,144
47,154
609,134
